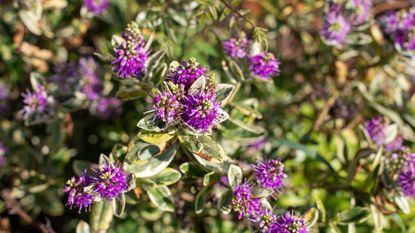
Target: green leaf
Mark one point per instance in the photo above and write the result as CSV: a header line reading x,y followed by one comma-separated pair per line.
x,y
101,216
167,177
83,227
37,80
234,175
210,178
311,217
224,91
356,214
152,166
118,205
224,203
198,85
201,200
151,123
154,137
131,93
191,169
116,41
236,70
161,197
403,204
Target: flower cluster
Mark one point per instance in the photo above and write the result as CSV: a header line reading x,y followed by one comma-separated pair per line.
x,y
289,223
261,64
341,17
71,80
406,178
268,176
237,47
189,98
383,134
96,6
244,202
264,65
108,182
130,54
91,85
38,105
400,26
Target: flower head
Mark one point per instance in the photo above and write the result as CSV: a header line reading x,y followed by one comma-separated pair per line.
x,y
187,73
335,28
263,220
130,55
361,10
91,84
111,181
65,77
406,178
264,65
166,106
79,192
38,106
236,47
96,6
289,223
375,129
106,107
269,174
243,202
200,111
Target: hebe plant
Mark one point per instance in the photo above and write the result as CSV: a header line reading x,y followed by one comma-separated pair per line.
x,y
207,116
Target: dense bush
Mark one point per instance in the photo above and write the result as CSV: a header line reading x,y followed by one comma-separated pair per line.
x,y
279,116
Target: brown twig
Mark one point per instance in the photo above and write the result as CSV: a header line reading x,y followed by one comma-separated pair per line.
x,y
237,13
379,9
14,207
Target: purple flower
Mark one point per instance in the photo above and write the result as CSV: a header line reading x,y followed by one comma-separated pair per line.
x,y
361,10
258,145
106,107
243,202
375,129
200,111
91,84
79,194
263,220
335,28
269,174
289,223
130,55
390,21
264,65
166,106
66,78
236,47
187,73
96,6
111,181
406,178
38,106
395,145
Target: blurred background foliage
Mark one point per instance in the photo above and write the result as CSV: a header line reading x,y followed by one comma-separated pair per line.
x,y
310,115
